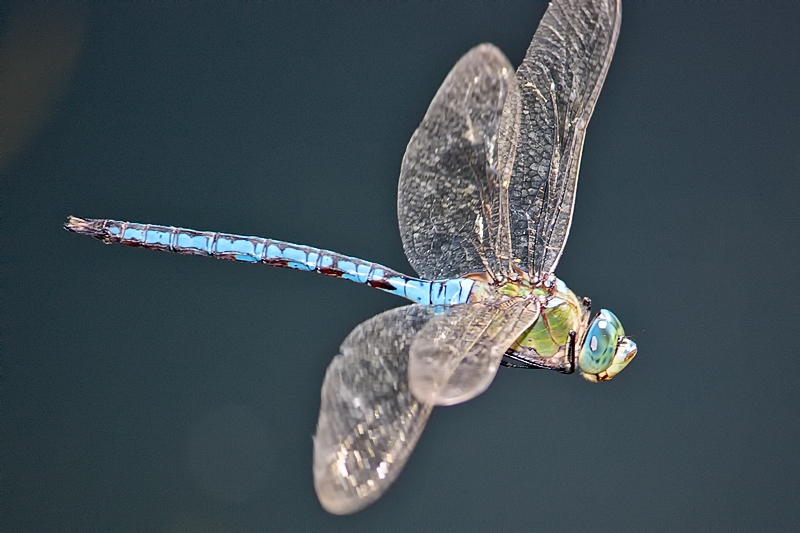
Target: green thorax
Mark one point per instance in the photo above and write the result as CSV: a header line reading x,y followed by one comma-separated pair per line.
x,y
561,312
545,343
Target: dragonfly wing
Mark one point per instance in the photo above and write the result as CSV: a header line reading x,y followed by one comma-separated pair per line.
x,y
558,82
369,422
456,355
448,196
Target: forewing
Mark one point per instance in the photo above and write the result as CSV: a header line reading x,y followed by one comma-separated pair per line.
x,y
449,200
558,82
368,420
456,355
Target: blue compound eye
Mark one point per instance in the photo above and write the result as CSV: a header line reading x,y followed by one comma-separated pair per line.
x,y
600,344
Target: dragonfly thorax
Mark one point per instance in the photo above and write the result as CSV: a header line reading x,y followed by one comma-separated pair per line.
x,y
562,315
563,337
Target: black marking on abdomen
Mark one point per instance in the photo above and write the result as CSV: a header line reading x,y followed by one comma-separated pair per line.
x,y
277,262
333,272
381,284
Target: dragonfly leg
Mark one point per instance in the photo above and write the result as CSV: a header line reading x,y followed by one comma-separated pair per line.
x,y
570,368
510,361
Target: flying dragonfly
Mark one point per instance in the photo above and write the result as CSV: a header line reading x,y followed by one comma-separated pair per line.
x,y
485,202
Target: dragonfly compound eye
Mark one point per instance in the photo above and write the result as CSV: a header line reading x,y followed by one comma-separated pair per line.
x,y
606,350
600,345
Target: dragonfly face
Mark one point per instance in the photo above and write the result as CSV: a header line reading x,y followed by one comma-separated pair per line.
x,y
605,350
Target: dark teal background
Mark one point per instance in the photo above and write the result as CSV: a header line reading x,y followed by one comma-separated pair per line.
x,y
153,392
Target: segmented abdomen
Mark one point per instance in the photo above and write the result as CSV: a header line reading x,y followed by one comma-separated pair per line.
x,y
276,253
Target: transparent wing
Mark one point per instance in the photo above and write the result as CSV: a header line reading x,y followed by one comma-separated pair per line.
x,y
368,420
452,210
544,123
456,355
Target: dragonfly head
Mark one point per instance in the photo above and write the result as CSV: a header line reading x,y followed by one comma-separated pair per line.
x,y
605,350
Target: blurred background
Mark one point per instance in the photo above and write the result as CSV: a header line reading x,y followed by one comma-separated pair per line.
x,y
144,391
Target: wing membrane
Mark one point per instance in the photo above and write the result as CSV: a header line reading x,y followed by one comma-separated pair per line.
x,y
558,82
369,422
452,208
456,355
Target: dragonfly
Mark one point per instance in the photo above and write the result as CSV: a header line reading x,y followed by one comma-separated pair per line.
x,y
485,203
